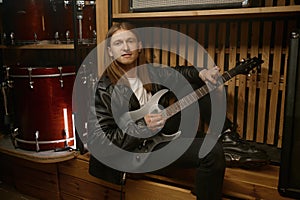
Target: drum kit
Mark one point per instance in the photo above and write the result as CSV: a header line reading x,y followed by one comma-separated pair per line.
x,y
37,101
48,21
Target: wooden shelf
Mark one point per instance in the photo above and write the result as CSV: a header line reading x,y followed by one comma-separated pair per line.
x,y
39,46
210,14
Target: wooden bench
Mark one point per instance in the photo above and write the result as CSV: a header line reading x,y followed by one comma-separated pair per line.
x,y
177,184
71,180
238,184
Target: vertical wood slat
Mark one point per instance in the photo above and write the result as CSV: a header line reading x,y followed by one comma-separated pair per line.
x,y
275,82
116,6
102,28
191,48
252,83
232,63
221,47
147,44
211,50
120,6
165,45
281,2
268,3
242,78
262,104
292,2
156,47
173,56
201,39
182,48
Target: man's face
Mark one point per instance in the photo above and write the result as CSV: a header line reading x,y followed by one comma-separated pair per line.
x,y
124,47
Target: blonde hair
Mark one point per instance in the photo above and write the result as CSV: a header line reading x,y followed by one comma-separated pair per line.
x,y
114,70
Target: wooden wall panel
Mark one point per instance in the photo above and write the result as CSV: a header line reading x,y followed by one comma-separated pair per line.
x,y
255,102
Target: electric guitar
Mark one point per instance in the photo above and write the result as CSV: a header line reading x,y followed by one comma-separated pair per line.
x,y
243,67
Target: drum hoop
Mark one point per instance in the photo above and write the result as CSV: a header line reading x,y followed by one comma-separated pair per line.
x,y
44,142
44,75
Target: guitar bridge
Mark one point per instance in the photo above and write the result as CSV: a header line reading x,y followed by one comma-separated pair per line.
x,y
144,146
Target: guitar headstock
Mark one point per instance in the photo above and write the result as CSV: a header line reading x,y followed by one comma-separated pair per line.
x,y
245,66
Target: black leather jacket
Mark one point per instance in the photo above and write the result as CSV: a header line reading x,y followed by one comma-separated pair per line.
x,y
120,96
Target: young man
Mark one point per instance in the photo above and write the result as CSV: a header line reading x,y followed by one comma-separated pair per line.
x,y
126,86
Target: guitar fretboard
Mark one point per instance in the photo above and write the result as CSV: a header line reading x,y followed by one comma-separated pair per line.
x,y
196,95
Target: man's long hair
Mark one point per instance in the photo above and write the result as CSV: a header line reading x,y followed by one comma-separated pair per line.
x,y
114,71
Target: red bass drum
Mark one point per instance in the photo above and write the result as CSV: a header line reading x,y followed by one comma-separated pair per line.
x,y
42,100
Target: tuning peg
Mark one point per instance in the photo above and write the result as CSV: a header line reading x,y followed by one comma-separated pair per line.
x,y
259,67
250,73
241,61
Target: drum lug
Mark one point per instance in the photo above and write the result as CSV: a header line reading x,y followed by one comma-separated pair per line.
x,y
9,82
3,38
80,4
94,35
61,77
30,81
67,2
68,33
56,37
35,37
37,141
14,134
12,38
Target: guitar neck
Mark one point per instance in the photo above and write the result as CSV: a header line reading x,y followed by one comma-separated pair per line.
x,y
196,95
